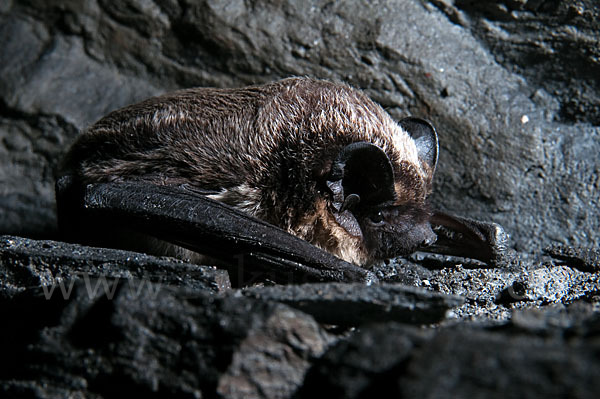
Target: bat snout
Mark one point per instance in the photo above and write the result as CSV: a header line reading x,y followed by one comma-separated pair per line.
x,y
385,243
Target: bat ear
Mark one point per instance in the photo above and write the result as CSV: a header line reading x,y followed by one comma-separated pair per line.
x,y
361,173
425,138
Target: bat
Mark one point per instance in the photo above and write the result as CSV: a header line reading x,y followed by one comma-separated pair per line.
x,y
309,180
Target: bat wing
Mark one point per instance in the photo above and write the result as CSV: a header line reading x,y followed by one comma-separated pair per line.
x,y
469,238
193,221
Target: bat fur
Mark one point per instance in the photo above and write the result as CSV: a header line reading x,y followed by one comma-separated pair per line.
x,y
272,152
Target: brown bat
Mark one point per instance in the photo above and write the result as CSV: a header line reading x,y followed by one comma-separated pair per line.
x,y
318,160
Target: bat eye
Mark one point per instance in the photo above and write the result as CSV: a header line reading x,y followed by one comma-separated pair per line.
x,y
377,218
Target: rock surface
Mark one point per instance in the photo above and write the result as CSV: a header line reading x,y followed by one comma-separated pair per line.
x,y
452,363
493,294
30,264
510,85
357,304
153,340
125,323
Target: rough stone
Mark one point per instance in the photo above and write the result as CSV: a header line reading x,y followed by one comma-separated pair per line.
x,y
153,340
586,259
470,361
489,365
26,263
492,294
355,304
349,369
545,41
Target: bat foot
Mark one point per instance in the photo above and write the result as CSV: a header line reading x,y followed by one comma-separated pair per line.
x,y
469,238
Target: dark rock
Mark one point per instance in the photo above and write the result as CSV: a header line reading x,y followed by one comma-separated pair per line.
x,y
478,364
554,39
51,88
30,145
513,293
153,340
353,369
585,259
26,263
578,319
356,304
467,362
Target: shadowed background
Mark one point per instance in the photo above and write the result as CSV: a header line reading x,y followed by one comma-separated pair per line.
x,y
512,88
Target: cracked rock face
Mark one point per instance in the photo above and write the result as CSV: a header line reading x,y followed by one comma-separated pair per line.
x,y
453,363
89,322
140,337
511,87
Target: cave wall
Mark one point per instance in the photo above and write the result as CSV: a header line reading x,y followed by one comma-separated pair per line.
x,y
512,88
